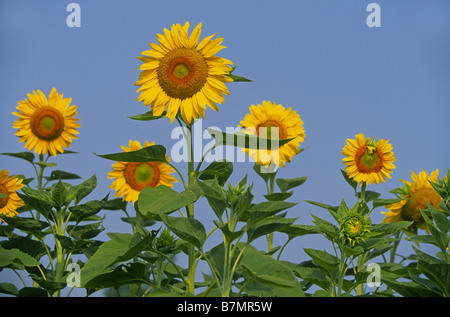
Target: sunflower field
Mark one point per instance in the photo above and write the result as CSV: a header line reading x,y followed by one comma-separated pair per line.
x,y
200,227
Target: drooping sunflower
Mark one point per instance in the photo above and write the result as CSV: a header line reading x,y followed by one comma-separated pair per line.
x,y
131,178
416,193
368,161
273,121
47,126
9,200
181,75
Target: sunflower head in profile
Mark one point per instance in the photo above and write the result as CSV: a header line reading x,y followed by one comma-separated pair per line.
x,y
183,75
46,125
273,121
9,200
131,178
368,161
416,194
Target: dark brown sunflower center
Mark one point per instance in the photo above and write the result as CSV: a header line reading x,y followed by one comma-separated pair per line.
x,y
417,201
369,159
270,130
4,200
140,175
47,123
182,73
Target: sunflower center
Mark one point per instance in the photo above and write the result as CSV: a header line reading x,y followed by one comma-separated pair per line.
x,y
270,129
182,73
141,175
353,227
417,201
4,200
368,159
47,123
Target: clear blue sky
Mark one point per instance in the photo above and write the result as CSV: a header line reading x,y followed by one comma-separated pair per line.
x,y
318,57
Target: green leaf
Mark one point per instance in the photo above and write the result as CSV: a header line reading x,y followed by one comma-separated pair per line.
x,y
148,116
80,191
187,229
278,196
163,200
286,184
266,270
41,204
385,202
237,78
324,259
60,175
59,195
222,170
350,181
266,209
28,225
266,226
439,274
298,230
135,273
441,220
153,153
247,141
84,211
9,289
262,172
15,256
27,156
122,247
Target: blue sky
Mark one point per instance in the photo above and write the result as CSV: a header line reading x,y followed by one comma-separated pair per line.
x,y
318,57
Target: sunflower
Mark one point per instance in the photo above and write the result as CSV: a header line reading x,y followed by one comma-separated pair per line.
x,y
9,200
368,161
46,125
272,121
354,227
416,194
182,75
131,178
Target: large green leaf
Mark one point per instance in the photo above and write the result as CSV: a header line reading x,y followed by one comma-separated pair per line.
x,y
148,116
187,229
27,156
247,141
324,259
60,175
28,225
264,269
135,273
222,170
288,183
266,209
163,200
153,153
15,256
266,226
80,191
122,247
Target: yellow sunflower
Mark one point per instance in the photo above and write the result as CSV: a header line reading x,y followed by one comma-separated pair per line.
x,y
182,75
368,161
417,192
46,125
9,200
271,121
131,178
